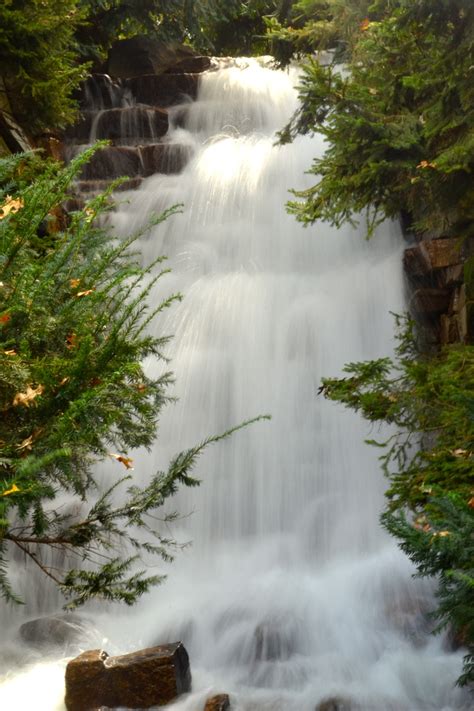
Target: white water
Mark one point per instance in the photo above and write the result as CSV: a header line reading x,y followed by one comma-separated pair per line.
x,y
291,593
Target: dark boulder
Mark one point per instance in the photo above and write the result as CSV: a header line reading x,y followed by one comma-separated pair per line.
x,y
99,92
149,677
431,255
221,702
191,65
56,631
112,162
134,124
167,158
429,301
335,703
163,90
131,125
144,55
274,639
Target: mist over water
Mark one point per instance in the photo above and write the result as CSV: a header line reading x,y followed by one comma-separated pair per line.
x,y
291,593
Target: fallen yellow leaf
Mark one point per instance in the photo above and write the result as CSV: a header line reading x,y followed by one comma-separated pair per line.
x,y
26,444
126,461
28,396
85,293
12,490
74,283
11,205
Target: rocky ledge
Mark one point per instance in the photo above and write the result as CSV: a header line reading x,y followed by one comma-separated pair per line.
x,y
439,294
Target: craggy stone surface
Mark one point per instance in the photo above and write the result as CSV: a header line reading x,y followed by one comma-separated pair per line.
x,y
164,89
149,677
432,255
435,271
127,125
144,55
221,702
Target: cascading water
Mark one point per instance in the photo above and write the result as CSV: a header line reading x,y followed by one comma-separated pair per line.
x,y
291,593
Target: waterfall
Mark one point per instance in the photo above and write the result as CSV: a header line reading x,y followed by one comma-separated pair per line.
x,y
291,594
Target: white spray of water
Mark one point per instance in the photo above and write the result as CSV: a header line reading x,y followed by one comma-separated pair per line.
x,y
291,593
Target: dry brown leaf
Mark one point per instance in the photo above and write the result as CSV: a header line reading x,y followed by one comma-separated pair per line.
x,y
71,341
74,283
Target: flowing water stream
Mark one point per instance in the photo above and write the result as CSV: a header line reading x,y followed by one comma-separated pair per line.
x,y
291,593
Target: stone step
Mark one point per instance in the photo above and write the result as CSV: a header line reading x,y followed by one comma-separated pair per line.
x,y
136,161
100,91
163,90
127,126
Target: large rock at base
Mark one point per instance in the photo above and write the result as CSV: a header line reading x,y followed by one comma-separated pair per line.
x,y
149,677
144,55
55,631
221,702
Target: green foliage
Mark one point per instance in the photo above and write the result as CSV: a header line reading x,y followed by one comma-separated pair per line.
x,y
38,53
399,125
429,460
216,26
242,29
309,26
73,336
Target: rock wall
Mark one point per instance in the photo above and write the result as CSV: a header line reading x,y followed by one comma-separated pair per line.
x,y
440,298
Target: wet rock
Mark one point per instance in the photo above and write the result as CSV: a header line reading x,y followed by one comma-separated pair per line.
x,y
129,125
98,186
191,65
430,301
55,631
144,55
112,162
431,255
274,640
451,276
335,703
149,677
221,702
163,90
81,130
99,92
167,158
